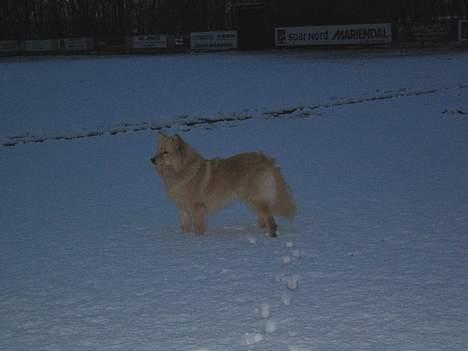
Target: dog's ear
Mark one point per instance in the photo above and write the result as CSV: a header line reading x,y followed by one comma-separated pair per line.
x,y
178,142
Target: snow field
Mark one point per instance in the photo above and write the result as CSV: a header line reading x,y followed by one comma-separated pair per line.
x,y
374,147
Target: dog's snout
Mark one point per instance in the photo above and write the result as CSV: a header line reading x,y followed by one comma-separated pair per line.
x,y
153,160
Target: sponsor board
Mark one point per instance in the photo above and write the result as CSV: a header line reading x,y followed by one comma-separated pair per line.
x,y
226,40
355,34
40,45
75,44
434,32
109,44
9,46
148,41
463,31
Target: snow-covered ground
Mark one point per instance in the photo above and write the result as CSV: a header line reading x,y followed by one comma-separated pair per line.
x,y
373,144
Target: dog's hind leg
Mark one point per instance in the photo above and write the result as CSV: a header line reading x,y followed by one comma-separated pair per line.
x,y
264,217
272,227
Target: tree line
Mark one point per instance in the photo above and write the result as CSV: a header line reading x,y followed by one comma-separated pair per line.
x,y
38,19
300,12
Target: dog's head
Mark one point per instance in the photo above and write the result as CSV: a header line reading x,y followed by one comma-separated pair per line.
x,y
170,155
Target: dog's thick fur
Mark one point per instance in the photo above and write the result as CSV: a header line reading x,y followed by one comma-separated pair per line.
x,y
199,186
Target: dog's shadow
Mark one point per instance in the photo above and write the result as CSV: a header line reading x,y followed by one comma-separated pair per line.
x,y
248,230
231,230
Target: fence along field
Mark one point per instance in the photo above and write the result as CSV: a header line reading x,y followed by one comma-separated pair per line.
x,y
454,32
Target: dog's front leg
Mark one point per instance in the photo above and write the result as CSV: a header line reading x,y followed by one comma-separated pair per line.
x,y
185,221
199,218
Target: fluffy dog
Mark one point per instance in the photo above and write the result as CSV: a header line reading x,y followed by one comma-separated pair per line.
x,y
199,186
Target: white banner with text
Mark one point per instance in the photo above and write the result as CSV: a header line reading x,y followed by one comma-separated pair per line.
x,y
354,34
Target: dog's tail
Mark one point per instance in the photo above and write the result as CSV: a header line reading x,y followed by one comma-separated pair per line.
x,y
284,204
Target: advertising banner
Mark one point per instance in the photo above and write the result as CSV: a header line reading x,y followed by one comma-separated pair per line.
x,y
40,45
75,44
434,32
155,41
9,46
212,41
463,31
109,44
355,34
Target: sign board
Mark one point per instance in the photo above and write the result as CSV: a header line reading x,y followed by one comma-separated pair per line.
x,y
76,44
354,34
148,42
463,30
109,44
40,45
9,46
182,40
212,41
435,32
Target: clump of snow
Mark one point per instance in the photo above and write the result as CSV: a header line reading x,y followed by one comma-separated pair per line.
x,y
249,339
297,254
293,282
265,310
270,326
286,299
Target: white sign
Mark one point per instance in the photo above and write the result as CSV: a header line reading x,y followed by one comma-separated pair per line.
x,y
226,40
9,45
149,42
463,30
40,45
76,44
362,34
